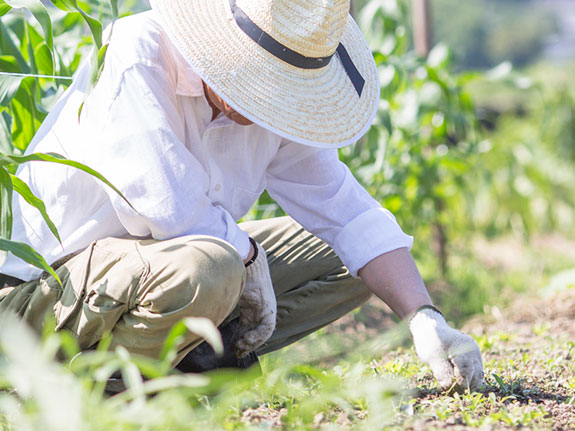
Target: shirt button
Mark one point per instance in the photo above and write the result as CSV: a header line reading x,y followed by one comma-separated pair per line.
x,y
218,187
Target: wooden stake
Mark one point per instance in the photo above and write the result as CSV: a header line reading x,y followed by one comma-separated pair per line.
x,y
422,31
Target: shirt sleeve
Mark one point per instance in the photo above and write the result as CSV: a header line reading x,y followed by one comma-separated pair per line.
x,y
319,191
138,146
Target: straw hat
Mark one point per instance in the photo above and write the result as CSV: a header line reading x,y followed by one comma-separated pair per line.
x,y
300,68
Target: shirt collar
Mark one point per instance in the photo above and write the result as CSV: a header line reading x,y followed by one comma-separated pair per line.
x,y
189,84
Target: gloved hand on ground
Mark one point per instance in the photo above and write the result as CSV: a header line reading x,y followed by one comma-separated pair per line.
x,y
453,357
257,308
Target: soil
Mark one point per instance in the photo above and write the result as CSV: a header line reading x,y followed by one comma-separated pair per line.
x,y
529,347
543,332
533,352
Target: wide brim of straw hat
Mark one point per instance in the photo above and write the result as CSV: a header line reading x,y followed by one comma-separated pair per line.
x,y
317,107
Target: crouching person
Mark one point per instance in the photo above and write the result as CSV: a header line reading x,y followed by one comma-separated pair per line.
x,y
201,106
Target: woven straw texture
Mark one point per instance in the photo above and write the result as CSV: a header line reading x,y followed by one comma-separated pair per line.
x,y
318,107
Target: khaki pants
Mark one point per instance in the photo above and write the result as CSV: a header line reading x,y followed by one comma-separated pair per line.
x,y
136,290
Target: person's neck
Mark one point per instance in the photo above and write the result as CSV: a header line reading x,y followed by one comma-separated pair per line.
x,y
215,110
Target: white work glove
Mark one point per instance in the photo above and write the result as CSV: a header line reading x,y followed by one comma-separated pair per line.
x,y
257,307
453,357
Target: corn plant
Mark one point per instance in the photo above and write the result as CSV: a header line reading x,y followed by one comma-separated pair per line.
x,y
39,54
10,183
428,159
424,140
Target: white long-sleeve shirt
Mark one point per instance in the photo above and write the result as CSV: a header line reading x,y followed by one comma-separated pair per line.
x,y
147,128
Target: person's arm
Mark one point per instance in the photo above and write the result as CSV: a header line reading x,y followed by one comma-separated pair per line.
x,y
315,188
394,278
322,195
453,357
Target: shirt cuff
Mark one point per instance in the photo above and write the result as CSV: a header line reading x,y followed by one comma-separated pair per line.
x,y
237,237
368,236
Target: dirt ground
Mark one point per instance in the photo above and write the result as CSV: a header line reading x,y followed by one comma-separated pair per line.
x,y
531,349
542,334
529,358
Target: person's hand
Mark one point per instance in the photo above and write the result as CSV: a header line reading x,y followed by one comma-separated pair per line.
x,y
453,357
257,307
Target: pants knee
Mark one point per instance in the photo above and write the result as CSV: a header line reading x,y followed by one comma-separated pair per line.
x,y
200,273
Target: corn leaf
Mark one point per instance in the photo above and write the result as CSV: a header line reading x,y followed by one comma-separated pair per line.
x,y
8,47
44,59
26,118
39,12
4,8
6,189
57,158
94,24
5,135
66,5
114,6
97,58
8,63
9,85
29,255
39,53
23,190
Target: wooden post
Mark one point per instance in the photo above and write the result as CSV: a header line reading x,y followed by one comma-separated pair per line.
x,y
423,40
422,30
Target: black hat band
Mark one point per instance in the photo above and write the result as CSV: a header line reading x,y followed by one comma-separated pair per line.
x,y
292,57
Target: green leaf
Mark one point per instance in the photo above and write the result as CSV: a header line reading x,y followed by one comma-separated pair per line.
x,y
40,13
438,57
499,381
9,85
97,60
4,8
5,204
29,255
95,28
57,158
174,338
22,188
200,326
26,118
206,329
8,47
66,5
97,57
102,56
5,135
94,24
44,59
9,64
114,6
160,384
501,71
